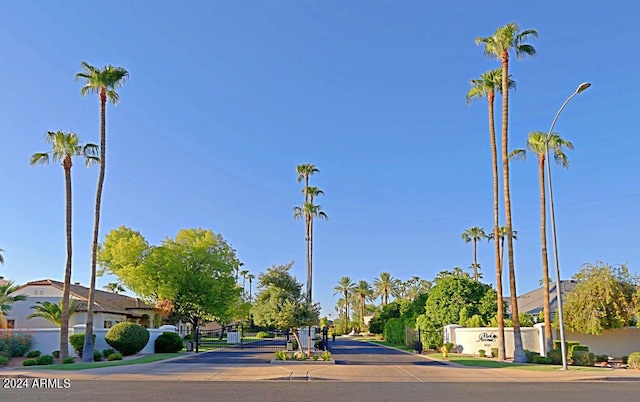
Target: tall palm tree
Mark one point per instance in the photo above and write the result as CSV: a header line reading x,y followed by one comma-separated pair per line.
x,y
104,82
1,256
250,277
487,85
365,292
64,147
536,143
309,211
6,300
502,234
313,192
54,312
473,234
244,273
345,288
498,46
305,170
385,285
114,287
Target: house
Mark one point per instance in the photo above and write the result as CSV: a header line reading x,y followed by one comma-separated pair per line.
x,y
109,308
532,303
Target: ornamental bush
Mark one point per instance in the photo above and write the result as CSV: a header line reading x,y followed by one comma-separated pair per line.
x,y
97,356
583,358
127,338
108,352
68,360
115,356
3,361
555,355
77,341
44,360
394,331
14,343
168,342
634,361
29,362
33,354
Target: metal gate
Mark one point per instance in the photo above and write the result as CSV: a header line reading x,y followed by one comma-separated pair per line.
x,y
236,337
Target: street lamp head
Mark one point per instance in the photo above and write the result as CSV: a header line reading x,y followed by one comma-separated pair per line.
x,y
582,87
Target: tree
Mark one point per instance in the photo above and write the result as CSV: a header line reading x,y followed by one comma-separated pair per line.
x,y
244,273
55,312
346,288
474,234
114,287
251,277
498,46
64,147
605,297
385,285
1,256
537,144
103,82
6,300
305,170
193,272
487,85
364,292
389,311
282,304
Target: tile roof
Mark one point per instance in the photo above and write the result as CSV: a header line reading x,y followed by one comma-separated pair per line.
x,y
106,302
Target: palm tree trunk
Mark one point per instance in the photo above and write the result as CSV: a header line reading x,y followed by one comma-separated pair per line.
x,y
548,339
310,273
518,353
475,260
87,352
66,288
307,239
496,226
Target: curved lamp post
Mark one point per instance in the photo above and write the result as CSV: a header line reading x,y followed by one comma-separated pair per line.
x,y
563,346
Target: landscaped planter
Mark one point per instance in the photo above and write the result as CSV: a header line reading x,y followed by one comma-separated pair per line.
x,y
308,361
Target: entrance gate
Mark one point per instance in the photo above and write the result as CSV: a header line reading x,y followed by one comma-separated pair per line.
x,y
235,337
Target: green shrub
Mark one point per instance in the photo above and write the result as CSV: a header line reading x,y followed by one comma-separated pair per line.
x,y
29,362
602,358
537,359
583,358
394,331
108,352
555,355
77,341
3,361
326,356
582,348
450,347
5,353
33,354
115,356
281,355
625,359
263,334
56,354
15,343
68,360
127,338
44,360
97,356
482,352
315,357
168,342
634,361
568,346
494,352
530,355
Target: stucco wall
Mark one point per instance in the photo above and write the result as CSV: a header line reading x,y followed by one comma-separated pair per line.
x,y
470,340
614,343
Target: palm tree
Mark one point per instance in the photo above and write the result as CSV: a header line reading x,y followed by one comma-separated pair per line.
x,y
65,146
54,312
313,192
345,287
385,285
537,143
474,234
1,256
250,277
309,211
305,170
103,82
6,300
505,39
114,287
364,292
487,85
244,273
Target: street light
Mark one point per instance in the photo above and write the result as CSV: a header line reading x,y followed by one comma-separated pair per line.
x,y
563,346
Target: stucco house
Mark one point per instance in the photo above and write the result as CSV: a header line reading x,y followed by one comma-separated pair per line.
x,y
110,308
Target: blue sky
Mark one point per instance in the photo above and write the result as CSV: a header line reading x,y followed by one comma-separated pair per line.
x,y
226,98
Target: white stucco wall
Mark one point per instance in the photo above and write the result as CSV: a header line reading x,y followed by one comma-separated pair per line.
x,y
614,343
470,340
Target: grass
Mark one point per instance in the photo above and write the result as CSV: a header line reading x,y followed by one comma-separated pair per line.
x,y
471,361
385,343
84,366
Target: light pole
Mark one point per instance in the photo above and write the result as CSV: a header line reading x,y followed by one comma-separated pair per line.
x,y
563,346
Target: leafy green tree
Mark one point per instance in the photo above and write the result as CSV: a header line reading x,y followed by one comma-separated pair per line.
x,y
53,312
193,272
377,323
281,303
605,298
386,285
474,234
346,288
487,85
104,82
6,300
498,46
537,144
64,147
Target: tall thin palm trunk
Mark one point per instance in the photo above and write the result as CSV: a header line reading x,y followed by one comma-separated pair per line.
x,y
519,355
87,353
66,287
548,338
496,225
